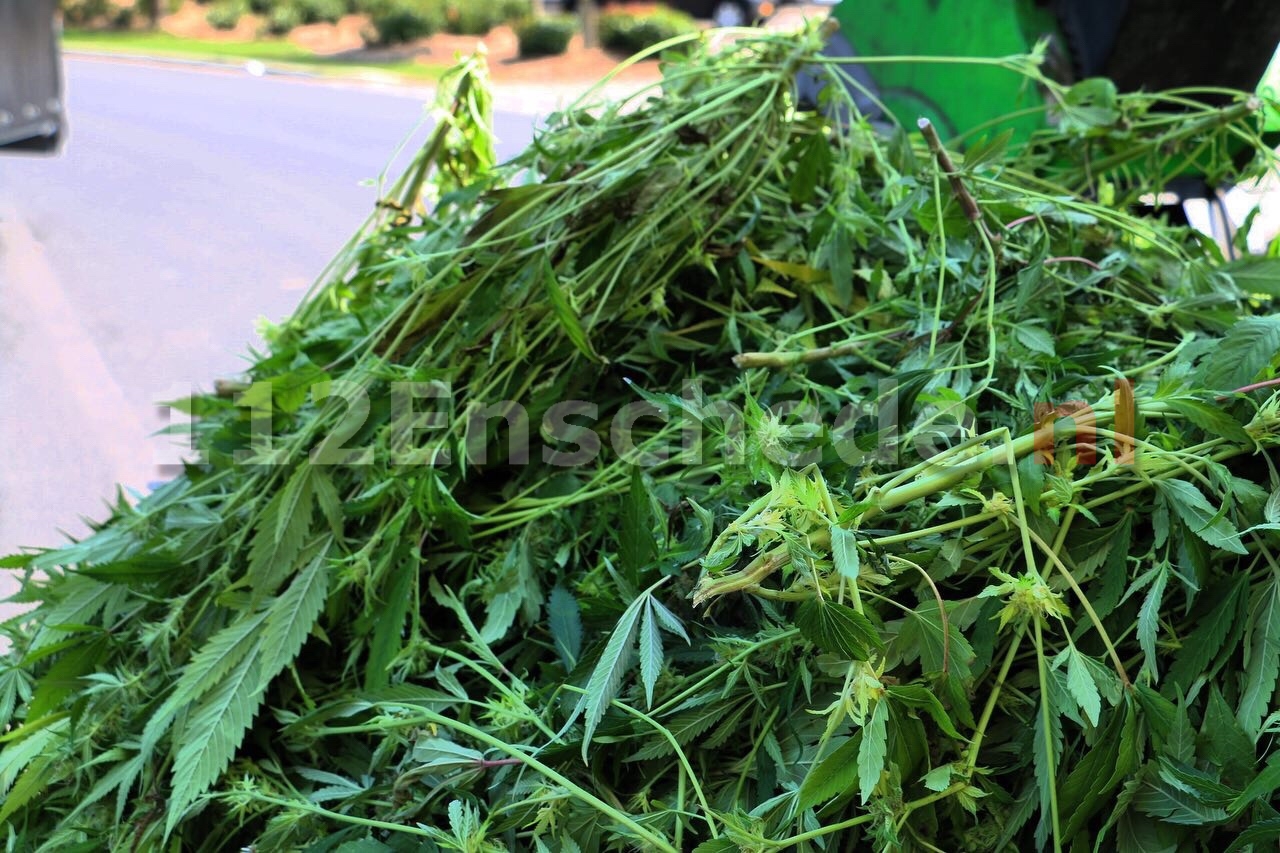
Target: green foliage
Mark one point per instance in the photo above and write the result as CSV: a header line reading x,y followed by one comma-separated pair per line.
x,y
283,18
833,589
545,36
225,14
632,32
83,13
400,21
321,11
510,11
121,17
470,19
476,19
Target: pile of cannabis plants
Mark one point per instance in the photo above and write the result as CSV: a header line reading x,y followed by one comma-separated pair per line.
x,y
720,474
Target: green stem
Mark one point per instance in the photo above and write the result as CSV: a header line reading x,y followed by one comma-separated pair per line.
x,y
656,842
1088,606
1046,723
684,761
989,709
310,808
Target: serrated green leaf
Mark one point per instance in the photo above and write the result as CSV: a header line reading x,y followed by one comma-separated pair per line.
x,y
1255,274
838,629
988,149
937,779
292,616
813,160
1224,743
920,697
685,726
1248,347
16,756
844,552
1262,658
564,620
326,495
206,670
1267,829
1161,800
651,656
1210,417
872,750
921,636
1114,573
15,684
82,600
1035,339
832,775
1200,516
1149,617
37,776
606,678
1261,788
443,756
1271,511
1203,645
119,778
277,544
297,498
514,590
1081,686
388,629
62,679
215,727
668,620
1181,742
1113,758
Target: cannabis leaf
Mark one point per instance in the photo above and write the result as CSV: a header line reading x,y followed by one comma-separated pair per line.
x,y
647,615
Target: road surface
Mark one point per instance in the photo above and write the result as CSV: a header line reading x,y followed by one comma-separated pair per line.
x,y
186,204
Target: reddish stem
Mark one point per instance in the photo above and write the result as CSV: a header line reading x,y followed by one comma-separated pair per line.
x,y
1066,258
1270,383
486,763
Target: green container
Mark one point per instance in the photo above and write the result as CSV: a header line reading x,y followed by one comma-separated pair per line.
x,y
955,97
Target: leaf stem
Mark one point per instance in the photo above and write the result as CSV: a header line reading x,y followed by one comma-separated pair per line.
x,y
1088,606
980,732
1046,722
657,842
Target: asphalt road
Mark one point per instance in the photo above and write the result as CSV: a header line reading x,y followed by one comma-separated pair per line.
x,y
185,205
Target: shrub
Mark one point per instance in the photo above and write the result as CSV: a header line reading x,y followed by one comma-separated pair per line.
x,y
627,32
399,21
81,13
262,7
284,18
121,17
225,15
321,11
545,36
510,11
469,18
